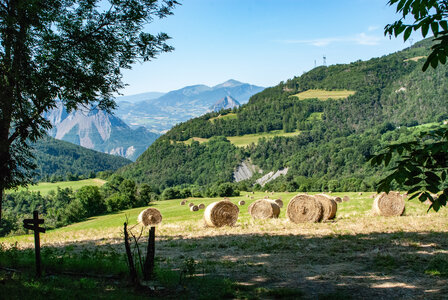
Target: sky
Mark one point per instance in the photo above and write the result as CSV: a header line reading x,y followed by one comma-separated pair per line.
x,y
262,42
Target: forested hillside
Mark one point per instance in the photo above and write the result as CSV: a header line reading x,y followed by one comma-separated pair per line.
x,y
58,159
386,99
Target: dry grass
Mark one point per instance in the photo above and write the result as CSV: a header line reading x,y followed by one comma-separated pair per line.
x,y
417,58
356,254
324,95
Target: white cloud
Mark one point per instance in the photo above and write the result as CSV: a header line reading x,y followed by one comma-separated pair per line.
x,y
360,39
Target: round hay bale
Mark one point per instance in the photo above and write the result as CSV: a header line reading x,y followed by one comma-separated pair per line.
x,y
329,206
190,204
221,213
360,194
194,208
337,199
391,204
201,206
346,198
264,209
242,202
279,202
247,196
150,216
183,202
304,208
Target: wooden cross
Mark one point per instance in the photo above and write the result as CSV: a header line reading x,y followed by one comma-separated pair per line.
x,y
33,224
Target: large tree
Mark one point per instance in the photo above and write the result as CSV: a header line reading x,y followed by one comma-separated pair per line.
x,y
421,165
65,50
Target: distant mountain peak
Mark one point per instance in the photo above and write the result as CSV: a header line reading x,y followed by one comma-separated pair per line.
x,y
229,83
225,103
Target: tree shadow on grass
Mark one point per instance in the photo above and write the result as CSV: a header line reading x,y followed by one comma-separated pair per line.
x,y
377,265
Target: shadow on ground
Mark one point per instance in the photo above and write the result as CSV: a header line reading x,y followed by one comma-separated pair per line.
x,y
399,265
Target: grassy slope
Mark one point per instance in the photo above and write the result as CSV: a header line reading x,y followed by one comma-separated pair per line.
x,y
357,255
174,213
45,187
247,139
324,95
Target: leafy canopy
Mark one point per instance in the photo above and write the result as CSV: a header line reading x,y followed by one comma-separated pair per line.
x,y
72,50
420,165
426,14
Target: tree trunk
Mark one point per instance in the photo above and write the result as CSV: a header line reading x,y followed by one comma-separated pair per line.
x,y
1,201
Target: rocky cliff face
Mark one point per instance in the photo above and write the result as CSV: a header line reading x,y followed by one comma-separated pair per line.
x,y
225,103
98,130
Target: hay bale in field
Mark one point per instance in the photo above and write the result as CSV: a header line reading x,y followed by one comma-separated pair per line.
x,y
266,197
337,199
194,208
201,206
304,208
346,198
190,204
264,209
242,202
391,204
247,196
150,216
183,202
329,206
221,213
279,202
360,194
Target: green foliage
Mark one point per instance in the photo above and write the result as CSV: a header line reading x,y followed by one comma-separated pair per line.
x,y
58,51
420,165
58,160
66,206
173,164
426,15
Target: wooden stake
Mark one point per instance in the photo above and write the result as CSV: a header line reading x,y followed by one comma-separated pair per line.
x,y
33,224
148,267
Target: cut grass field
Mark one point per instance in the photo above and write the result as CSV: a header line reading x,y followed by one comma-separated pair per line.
x,y
224,117
247,139
416,58
324,95
357,255
45,187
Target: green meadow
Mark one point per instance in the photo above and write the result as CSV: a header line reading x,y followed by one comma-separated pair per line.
x,y
45,187
247,139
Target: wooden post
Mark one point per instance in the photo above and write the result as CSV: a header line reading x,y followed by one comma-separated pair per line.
x,y
132,270
148,267
33,224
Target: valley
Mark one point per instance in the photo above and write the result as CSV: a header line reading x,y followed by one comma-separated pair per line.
x,y
322,174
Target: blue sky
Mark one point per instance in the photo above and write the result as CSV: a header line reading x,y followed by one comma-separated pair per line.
x,y
262,42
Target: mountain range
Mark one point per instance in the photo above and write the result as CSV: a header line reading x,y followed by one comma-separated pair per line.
x,y
162,113
100,131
